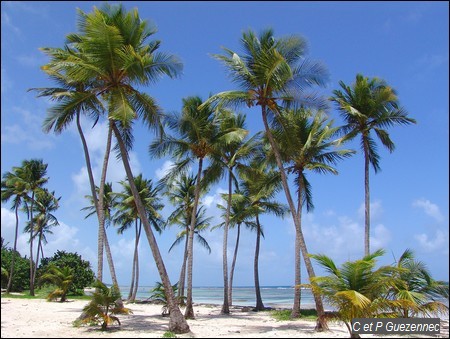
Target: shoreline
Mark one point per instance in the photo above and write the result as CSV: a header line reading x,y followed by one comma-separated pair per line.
x,y
38,318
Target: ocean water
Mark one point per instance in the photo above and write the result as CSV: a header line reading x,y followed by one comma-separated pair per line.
x,y
272,296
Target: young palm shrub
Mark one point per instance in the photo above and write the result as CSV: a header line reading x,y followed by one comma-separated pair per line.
x,y
158,294
419,294
62,278
103,306
356,290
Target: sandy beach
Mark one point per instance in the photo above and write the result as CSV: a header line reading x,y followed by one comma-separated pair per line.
x,y
37,318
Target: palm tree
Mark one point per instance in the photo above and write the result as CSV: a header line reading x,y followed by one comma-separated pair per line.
x,y
159,295
62,278
117,58
76,97
103,307
32,175
260,185
45,203
231,155
273,72
127,215
306,144
13,188
357,290
370,105
183,218
241,212
419,294
200,137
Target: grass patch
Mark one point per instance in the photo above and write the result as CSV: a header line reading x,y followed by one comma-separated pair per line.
x,y
41,293
169,334
283,315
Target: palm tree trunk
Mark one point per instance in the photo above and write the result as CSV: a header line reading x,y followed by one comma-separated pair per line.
x,y
110,259
136,284
321,321
225,306
233,264
13,258
297,291
37,254
94,198
189,312
31,247
177,323
259,302
182,279
133,271
367,199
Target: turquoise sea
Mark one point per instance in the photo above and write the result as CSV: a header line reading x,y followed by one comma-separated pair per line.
x,y
272,296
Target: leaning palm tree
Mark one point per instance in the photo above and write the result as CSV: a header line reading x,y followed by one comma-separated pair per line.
x,y
127,214
260,185
116,58
272,72
13,188
306,144
200,137
369,106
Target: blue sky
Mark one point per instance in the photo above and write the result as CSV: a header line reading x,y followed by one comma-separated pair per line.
x,y
405,43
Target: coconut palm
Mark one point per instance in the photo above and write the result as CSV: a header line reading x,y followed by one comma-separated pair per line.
x,y
231,155
103,307
117,58
62,278
260,185
13,188
368,107
241,212
357,289
159,295
272,72
127,214
200,137
32,175
419,293
306,144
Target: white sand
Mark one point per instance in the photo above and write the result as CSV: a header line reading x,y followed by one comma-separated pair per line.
x,y
37,318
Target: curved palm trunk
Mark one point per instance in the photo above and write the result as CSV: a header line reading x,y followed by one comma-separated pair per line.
x,y
136,284
13,258
259,302
367,199
177,323
182,279
233,264
225,306
189,312
321,321
39,249
133,271
103,239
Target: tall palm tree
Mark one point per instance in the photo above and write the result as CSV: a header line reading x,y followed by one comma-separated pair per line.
x,y
127,214
75,97
241,212
13,188
117,57
260,185
233,154
368,107
32,175
306,144
180,192
200,137
273,72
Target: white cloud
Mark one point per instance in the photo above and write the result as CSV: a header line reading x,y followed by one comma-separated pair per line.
x,y
164,169
376,210
432,244
214,199
429,208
